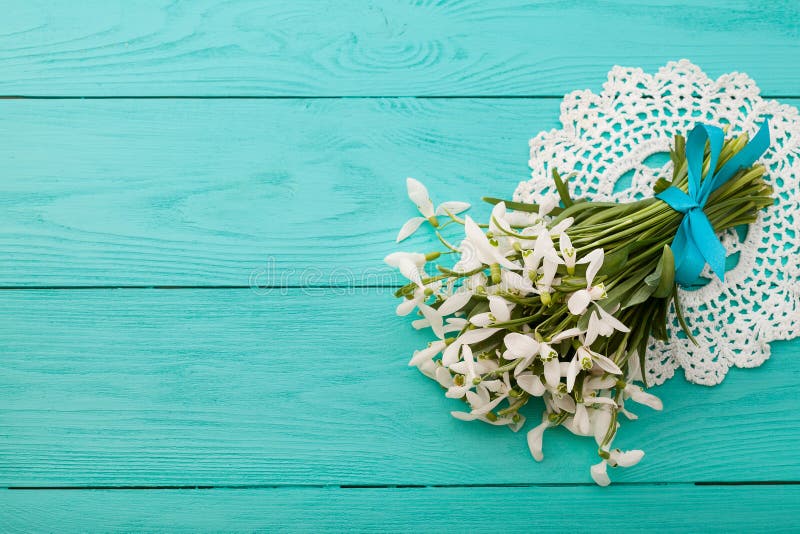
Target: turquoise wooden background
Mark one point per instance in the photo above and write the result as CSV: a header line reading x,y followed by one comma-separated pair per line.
x,y
159,158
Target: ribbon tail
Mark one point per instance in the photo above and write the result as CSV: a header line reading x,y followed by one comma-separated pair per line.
x,y
707,242
689,261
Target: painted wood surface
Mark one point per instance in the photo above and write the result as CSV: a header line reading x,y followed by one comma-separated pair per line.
x,y
295,192
383,47
231,387
294,403
275,192
633,508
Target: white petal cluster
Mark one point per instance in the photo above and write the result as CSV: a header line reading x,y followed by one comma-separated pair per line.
x,y
521,316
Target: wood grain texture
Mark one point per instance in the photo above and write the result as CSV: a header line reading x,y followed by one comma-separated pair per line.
x,y
556,509
222,192
231,387
234,192
381,48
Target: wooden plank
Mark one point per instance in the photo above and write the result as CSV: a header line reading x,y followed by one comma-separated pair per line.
x,y
673,508
406,48
200,192
234,192
230,387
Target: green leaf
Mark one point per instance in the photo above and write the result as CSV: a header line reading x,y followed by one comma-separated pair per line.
x,y
679,314
667,274
660,185
521,206
563,190
641,294
614,261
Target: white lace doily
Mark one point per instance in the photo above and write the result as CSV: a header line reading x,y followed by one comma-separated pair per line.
x,y
608,138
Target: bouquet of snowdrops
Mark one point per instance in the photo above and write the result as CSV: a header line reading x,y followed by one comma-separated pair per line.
x,y
559,300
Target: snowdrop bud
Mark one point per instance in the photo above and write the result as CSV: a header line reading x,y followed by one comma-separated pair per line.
x,y
599,474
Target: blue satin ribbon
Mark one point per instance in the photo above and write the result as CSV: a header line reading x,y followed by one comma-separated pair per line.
x,y
696,243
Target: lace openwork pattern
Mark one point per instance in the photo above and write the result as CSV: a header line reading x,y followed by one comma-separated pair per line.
x,y
618,141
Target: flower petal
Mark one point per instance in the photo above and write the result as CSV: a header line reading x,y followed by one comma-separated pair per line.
x,y
627,458
427,353
455,302
552,372
409,227
572,372
595,261
606,364
477,334
638,395
535,438
578,302
599,474
531,383
520,345
453,206
418,194
437,324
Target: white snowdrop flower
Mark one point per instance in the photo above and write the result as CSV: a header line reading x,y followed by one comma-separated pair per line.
x,y
427,354
418,194
497,221
420,295
455,324
478,245
516,283
520,347
522,219
638,395
585,359
531,383
481,402
546,280
602,323
450,354
469,369
499,421
455,302
433,318
547,203
536,437
579,300
562,226
444,377
601,421
543,248
428,368
600,474
567,252
410,265
577,423
625,458
499,312
552,369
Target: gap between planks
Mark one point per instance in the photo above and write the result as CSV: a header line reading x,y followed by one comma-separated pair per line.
x,y
323,97
397,486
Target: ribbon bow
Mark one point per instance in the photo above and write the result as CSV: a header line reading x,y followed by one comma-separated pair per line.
x,y
696,243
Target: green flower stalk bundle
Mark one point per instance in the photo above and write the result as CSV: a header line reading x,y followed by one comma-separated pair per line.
x,y
559,300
